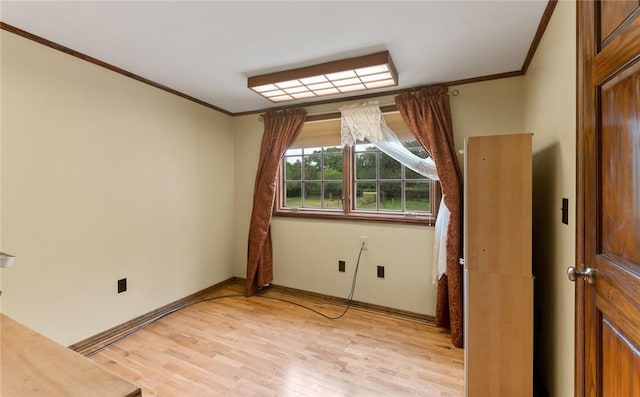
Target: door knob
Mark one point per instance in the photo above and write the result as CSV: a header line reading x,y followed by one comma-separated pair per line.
x,y
588,274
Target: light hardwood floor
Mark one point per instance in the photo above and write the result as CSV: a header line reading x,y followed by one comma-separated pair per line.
x,y
261,347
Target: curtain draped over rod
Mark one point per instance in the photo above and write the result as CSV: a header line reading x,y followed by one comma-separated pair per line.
x,y
428,115
280,130
365,121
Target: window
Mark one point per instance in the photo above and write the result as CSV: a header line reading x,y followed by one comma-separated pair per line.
x,y
320,179
383,184
313,178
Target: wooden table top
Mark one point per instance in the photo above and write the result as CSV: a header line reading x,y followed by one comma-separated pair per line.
x,y
33,365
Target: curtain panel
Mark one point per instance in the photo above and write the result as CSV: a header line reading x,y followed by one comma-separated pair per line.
x,y
428,115
280,130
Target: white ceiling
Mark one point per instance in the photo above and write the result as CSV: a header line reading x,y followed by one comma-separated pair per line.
x,y
207,49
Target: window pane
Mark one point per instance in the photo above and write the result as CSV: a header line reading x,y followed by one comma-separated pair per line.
x,y
333,149
364,147
365,165
333,167
293,168
420,152
312,195
410,174
389,168
416,149
417,196
412,144
366,196
391,196
333,194
312,167
292,197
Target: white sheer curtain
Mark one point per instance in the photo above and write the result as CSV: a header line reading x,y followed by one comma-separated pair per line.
x,y
362,122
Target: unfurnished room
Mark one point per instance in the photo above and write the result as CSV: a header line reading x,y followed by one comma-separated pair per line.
x,y
320,198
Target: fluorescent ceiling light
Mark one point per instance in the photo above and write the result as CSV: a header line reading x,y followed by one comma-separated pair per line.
x,y
347,75
379,84
349,88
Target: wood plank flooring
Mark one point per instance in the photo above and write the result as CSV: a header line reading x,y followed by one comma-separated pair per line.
x,y
262,347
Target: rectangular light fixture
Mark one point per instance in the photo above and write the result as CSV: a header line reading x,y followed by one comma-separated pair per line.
x,y
344,76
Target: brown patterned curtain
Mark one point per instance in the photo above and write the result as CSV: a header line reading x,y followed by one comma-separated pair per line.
x,y
280,129
427,114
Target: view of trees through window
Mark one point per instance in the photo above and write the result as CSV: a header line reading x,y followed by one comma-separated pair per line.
x,y
383,184
313,178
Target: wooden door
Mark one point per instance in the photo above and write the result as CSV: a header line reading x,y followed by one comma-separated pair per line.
x,y
608,315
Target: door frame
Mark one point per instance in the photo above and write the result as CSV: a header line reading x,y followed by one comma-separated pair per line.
x,y
585,119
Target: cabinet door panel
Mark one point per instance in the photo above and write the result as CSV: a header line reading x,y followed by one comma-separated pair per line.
x,y
498,204
500,335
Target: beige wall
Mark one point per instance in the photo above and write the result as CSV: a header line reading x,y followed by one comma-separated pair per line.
x,y
1,117
487,108
103,178
550,113
306,252
1,250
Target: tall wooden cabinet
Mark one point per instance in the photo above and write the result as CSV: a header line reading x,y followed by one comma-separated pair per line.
x,y
498,292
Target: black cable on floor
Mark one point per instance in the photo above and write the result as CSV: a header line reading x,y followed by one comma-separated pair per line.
x,y
159,317
139,328
348,301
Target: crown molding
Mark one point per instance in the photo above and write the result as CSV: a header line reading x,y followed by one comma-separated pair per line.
x,y
544,21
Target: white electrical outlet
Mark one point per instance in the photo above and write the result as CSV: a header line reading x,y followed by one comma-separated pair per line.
x,y
363,242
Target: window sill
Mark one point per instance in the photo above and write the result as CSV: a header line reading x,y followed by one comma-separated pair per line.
x,y
422,220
